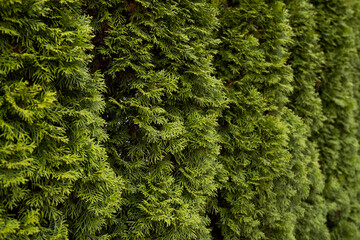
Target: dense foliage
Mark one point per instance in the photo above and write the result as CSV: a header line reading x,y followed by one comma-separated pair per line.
x,y
337,140
306,61
162,110
251,62
150,119
55,181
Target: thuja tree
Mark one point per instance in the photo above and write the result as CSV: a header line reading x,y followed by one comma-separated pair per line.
x,y
162,112
337,139
354,23
258,199
54,179
306,61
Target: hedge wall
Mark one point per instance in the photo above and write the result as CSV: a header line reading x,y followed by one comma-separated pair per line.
x,y
150,119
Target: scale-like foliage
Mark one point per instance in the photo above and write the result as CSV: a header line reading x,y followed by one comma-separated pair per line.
x,y
258,199
355,24
337,139
54,179
306,61
162,112
242,149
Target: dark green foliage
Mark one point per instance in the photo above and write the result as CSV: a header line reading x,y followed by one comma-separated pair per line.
x,y
306,61
54,179
355,24
258,199
162,112
337,139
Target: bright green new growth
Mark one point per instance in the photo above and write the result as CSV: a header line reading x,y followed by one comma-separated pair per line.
x,y
54,179
162,112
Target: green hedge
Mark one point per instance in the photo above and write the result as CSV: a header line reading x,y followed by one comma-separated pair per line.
x,y
149,119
